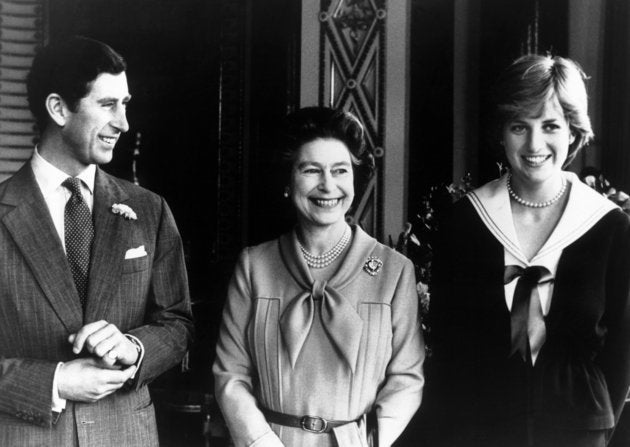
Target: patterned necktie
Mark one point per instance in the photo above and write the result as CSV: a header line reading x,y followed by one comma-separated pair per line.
x,y
527,322
78,233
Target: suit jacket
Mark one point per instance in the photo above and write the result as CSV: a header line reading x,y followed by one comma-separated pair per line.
x,y
480,395
39,308
354,344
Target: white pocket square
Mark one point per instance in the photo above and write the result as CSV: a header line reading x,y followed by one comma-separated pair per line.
x,y
133,253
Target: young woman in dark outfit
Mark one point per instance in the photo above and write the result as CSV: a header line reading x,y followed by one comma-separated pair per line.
x,y
530,306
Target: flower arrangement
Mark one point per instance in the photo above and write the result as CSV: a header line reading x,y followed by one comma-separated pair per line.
x,y
594,178
417,238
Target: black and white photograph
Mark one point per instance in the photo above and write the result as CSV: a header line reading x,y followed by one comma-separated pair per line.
x,y
314,223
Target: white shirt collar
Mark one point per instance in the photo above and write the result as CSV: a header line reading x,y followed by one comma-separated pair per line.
x,y
49,177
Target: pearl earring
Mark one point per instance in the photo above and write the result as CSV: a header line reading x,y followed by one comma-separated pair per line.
x,y
286,193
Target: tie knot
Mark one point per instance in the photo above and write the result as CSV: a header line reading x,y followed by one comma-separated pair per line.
x,y
317,290
73,184
533,274
529,275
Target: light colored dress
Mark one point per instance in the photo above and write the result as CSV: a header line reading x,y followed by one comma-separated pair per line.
x,y
332,349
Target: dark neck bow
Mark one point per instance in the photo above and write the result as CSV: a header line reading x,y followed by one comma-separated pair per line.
x,y
339,317
527,322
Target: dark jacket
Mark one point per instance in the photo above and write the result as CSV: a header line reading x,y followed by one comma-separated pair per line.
x,y
481,396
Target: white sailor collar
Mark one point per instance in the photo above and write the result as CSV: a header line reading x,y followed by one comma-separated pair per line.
x,y
584,209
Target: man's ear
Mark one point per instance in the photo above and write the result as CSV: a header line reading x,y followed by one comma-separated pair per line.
x,y
57,109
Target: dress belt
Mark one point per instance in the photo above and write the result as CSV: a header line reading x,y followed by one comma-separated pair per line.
x,y
312,424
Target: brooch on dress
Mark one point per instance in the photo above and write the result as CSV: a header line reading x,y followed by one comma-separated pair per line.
x,y
373,265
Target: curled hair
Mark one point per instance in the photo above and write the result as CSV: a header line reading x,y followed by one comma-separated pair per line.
x,y
68,68
530,81
311,123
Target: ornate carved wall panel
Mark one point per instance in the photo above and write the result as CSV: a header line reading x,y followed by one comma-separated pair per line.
x,y
21,33
355,63
352,40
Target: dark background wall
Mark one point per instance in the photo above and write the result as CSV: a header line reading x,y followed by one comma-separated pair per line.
x,y
430,104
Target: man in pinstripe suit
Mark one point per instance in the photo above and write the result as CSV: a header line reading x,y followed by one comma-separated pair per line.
x,y
76,352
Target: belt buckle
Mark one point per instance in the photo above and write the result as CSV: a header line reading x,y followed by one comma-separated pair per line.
x,y
314,424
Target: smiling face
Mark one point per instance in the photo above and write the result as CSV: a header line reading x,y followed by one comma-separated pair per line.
x,y
92,130
322,183
537,146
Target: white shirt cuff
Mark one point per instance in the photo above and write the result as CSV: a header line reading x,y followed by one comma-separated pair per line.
x,y
140,347
58,404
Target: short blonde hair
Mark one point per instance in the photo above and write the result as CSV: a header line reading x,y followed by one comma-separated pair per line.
x,y
526,85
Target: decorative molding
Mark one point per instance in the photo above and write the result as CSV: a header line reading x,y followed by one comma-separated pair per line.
x,y
351,76
529,43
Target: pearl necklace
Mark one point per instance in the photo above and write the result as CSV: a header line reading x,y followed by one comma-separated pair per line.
x,y
325,259
529,204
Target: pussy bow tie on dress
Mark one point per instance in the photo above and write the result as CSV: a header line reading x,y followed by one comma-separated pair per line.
x,y
339,318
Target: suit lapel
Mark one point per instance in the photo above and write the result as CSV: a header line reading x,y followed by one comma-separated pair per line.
x,y
108,249
33,231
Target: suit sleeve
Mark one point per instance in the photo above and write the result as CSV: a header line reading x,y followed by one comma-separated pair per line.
x,y
401,394
26,389
233,369
168,322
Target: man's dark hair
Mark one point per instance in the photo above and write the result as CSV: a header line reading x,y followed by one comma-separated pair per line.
x,y
68,68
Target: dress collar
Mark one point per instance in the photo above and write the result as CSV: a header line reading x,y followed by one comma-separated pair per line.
x,y
338,315
584,209
361,246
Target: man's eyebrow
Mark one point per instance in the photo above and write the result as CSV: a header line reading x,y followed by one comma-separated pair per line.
x,y
113,99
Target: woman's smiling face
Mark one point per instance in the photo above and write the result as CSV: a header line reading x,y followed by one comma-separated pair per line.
x,y
322,182
537,146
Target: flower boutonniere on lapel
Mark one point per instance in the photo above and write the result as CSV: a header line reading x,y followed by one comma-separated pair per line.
x,y
124,210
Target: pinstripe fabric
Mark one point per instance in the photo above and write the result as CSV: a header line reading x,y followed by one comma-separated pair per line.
x,y
39,308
